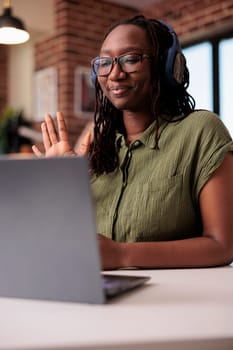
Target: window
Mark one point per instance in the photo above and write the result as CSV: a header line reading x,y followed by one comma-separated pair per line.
x,y
226,82
211,76
200,67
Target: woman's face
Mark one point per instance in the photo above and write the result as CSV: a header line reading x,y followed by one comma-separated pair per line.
x,y
127,91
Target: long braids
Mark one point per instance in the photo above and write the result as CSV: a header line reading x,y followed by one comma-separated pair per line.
x,y
102,153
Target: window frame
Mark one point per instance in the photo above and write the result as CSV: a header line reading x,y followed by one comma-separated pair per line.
x,y
214,41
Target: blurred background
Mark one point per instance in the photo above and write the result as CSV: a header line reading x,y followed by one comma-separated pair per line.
x,y
51,71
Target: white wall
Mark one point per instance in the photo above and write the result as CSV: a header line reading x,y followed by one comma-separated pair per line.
x,y
38,18
20,78
36,14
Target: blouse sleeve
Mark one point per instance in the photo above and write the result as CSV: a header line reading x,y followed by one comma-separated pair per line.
x,y
214,141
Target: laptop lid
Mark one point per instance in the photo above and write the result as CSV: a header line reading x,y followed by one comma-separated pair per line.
x,y
48,241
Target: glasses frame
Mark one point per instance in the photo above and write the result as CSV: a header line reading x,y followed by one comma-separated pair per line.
x,y
115,60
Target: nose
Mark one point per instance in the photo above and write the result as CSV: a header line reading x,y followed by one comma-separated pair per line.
x,y
116,71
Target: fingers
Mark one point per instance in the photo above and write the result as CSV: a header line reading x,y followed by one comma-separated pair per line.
x,y
49,131
56,143
62,130
45,136
36,151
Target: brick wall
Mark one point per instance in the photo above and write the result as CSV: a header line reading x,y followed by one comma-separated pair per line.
x,y
196,19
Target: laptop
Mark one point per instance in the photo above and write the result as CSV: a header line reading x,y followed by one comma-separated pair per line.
x,y
48,241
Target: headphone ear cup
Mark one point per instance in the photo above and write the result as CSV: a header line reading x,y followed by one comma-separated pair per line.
x,y
175,61
179,68
93,77
94,69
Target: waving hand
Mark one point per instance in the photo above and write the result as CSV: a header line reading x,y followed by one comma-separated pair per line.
x,y
56,143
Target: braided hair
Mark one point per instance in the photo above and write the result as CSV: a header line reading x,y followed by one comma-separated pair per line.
x,y
165,101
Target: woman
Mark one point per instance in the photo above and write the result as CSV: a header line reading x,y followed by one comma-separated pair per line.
x,y
161,172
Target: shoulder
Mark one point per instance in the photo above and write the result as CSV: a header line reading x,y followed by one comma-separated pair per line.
x,y
197,129
207,140
201,127
205,121
202,118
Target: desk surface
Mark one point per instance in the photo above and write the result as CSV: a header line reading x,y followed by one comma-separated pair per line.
x,y
180,309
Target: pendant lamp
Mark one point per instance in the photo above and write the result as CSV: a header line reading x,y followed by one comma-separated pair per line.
x,y
12,29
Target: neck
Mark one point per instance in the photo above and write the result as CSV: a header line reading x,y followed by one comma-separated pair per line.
x,y
135,124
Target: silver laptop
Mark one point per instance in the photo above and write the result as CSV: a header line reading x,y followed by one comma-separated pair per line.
x,y
48,241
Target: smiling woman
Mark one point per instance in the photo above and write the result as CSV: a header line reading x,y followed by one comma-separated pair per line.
x,y
130,58
161,171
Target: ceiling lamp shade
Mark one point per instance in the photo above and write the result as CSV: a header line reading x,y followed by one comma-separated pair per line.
x,y
12,29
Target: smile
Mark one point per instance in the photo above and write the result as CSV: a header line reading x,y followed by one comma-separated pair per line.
x,y
119,90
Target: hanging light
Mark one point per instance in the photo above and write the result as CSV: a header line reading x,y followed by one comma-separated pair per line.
x,y
12,30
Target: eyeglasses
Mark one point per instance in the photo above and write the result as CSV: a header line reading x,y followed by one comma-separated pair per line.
x,y
129,63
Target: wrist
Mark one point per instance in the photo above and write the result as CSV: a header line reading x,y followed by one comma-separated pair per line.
x,y
124,254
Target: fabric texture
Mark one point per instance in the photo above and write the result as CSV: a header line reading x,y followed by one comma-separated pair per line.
x,y
153,194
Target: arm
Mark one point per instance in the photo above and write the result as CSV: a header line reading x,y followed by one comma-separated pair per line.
x,y
56,143
214,247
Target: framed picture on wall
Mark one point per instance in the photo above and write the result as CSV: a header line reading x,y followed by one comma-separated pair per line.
x,y
84,93
45,97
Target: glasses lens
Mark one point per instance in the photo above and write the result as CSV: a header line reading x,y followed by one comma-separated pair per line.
x,y
130,63
104,66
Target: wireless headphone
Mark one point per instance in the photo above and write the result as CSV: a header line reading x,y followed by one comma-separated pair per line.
x,y
175,62
93,76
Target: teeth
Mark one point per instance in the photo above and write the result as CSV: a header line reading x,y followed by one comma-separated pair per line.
x,y
117,89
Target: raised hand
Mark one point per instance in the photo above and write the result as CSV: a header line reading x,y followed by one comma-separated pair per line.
x,y
56,143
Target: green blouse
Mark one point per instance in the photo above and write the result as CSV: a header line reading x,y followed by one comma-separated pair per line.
x,y
153,194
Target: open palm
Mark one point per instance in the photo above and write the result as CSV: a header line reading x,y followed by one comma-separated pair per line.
x,y
56,143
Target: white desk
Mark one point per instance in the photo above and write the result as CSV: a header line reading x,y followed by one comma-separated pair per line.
x,y
179,310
